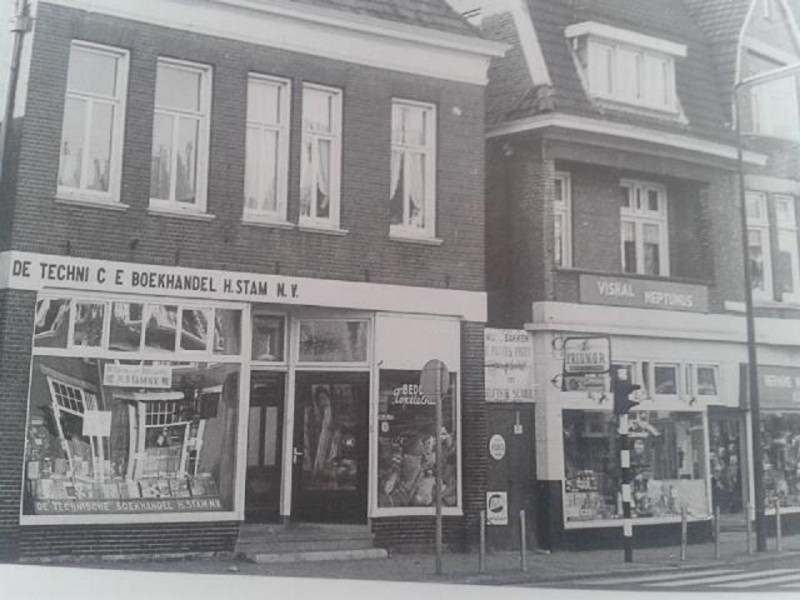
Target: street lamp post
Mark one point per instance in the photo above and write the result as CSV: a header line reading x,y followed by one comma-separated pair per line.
x,y
752,354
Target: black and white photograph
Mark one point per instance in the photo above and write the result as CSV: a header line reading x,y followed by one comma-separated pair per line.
x,y
399,297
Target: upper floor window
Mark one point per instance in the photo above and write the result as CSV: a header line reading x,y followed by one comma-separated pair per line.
x,y
758,245
267,148
321,148
775,106
179,163
562,214
644,233
92,130
413,172
624,66
787,267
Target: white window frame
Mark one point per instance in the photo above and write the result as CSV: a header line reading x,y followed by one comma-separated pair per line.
x,y
789,230
613,73
562,210
769,122
679,382
429,151
119,101
203,116
695,387
282,129
760,224
639,215
335,137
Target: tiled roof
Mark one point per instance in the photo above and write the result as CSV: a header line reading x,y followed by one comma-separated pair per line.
x,y
433,14
665,19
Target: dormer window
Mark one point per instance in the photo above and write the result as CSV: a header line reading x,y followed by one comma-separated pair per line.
x,y
625,67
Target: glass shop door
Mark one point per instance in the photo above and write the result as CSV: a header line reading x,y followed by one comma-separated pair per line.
x,y
264,444
331,447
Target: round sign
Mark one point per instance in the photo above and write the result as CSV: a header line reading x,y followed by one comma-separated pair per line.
x,y
497,446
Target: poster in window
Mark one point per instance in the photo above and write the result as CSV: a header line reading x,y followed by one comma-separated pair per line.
x,y
407,442
120,449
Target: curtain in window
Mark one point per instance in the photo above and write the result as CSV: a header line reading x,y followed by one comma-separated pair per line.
x,y
307,170
396,199
323,178
416,196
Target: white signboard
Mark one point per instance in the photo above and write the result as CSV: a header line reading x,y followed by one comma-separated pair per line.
x,y
497,446
97,423
138,376
508,366
497,508
587,355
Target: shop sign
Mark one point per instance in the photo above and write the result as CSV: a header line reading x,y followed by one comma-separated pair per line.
x,y
138,376
35,272
132,505
643,293
497,508
779,387
497,446
587,361
508,366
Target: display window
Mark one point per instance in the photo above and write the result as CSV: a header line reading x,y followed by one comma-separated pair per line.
x,y
114,429
668,463
407,442
780,446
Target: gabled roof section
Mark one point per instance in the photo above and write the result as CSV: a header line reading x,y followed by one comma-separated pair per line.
x,y
432,14
668,20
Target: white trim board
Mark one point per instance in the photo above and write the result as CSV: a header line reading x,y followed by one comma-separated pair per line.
x,y
313,30
46,271
529,40
643,322
623,130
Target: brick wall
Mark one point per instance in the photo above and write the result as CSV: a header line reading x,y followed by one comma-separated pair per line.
x,y
365,253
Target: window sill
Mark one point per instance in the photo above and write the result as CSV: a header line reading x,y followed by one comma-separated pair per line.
x,y
409,239
89,202
268,223
180,214
335,231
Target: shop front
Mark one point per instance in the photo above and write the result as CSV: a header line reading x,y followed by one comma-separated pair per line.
x,y
190,408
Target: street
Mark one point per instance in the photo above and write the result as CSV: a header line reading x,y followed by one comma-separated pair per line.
x,y
778,575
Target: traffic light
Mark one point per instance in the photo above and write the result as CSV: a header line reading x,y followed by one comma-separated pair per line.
x,y
622,391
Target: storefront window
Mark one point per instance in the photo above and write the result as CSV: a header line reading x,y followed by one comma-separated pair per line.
x,y
127,434
780,440
268,335
407,442
333,340
667,462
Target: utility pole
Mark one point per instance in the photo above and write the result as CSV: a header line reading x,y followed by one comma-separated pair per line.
x,y
20,24
622,405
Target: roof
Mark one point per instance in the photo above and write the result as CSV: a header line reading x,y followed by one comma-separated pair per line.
x,y
431,14
696,79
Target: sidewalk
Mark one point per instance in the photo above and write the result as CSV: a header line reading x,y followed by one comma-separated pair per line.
x,y
502,568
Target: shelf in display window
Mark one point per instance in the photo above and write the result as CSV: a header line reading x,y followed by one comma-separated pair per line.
x,y
608,523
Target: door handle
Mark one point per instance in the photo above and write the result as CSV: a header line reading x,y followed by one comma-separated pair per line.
x,y
295,454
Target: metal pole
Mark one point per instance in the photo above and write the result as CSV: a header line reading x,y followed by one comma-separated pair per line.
x,y
625,464
523,541
778,528
748,528
482,548
716,533
20,25
752,355
438,469
684,533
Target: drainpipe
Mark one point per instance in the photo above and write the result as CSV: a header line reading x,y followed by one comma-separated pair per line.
x,y
20,24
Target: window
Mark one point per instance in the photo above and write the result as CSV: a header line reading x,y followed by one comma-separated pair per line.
x,y
179,160
332,340
562,213
627,67
787,268
665,378
91,134
706,380
775,107
267,148
758,245
413,172
643,211
321,156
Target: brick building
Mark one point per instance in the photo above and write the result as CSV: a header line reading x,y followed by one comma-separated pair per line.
x,y
612,211
233,233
